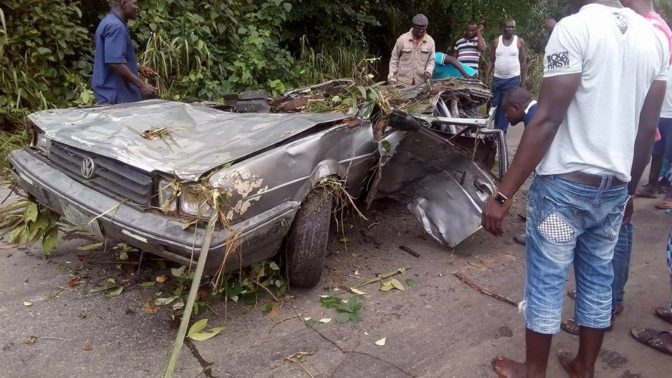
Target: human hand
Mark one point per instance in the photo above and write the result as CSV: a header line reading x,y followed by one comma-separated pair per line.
x,y
426,76
493,215
481,29
148,90
391,79
147,72
629,209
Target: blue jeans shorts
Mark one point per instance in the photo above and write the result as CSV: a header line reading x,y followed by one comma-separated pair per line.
x,y
570,223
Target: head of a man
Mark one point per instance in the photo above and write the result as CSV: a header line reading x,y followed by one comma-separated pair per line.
x,y
128,9
549,25
509,28
471,29
420,23
515,103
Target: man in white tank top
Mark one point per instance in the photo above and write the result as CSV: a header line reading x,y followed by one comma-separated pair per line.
x,y
507,57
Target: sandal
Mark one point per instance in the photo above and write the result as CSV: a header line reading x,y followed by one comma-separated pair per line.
x,y
664,314
647,192
571,327
651,337
664,204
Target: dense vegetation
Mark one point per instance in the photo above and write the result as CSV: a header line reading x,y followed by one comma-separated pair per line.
x,y
204,48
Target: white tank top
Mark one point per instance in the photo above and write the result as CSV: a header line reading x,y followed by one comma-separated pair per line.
x,y
507,64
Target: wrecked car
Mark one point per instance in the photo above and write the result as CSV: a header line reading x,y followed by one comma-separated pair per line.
x,y
142,173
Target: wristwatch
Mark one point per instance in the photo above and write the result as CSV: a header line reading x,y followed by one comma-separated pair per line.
x,y
501,199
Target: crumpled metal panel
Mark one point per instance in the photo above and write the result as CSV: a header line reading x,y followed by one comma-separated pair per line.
x,y
201,138
438,182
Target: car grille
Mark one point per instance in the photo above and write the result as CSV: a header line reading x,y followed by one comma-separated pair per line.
x,y
109,175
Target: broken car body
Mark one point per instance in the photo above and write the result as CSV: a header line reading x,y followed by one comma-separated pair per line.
x,y
103,169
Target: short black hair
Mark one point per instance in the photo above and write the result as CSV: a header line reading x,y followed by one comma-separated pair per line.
x,y
472,23
518,95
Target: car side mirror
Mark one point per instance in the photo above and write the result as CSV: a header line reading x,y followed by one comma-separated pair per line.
x,y
403,121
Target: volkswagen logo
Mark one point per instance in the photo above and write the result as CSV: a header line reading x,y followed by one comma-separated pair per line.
x,y
88,167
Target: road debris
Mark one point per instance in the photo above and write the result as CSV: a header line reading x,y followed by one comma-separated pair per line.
x,y
409,251
469,282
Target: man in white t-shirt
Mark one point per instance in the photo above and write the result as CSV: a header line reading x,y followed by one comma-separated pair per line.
x,y
604,57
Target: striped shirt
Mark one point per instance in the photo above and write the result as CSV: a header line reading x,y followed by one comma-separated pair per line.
x,y
468,52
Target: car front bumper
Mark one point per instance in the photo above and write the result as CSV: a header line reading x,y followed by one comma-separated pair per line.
x,y
255,239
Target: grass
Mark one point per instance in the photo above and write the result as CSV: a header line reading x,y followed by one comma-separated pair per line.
x,y
10,141
324,64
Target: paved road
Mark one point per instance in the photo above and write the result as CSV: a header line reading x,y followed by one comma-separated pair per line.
x,y
441,328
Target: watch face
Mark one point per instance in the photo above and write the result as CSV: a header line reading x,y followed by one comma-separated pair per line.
x,y
500,199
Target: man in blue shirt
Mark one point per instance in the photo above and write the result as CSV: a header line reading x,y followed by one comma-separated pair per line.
x,y
115,67
519,106
448,66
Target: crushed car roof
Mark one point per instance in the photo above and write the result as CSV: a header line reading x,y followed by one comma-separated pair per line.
x,y
186,140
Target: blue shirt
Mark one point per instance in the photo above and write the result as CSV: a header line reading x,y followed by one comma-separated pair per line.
x,y
529,113
444,71
113,45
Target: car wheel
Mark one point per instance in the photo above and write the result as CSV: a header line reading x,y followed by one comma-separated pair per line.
x,y
306,242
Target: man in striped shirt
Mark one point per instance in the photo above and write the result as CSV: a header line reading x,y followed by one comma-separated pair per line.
x,y
468,49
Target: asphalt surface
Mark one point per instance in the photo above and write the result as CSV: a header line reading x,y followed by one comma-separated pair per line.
x,y
440,328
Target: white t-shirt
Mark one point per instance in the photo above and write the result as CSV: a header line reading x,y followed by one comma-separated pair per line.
x,y
666,112
618,54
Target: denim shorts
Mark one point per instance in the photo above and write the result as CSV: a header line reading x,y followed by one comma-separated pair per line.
x,y
570,223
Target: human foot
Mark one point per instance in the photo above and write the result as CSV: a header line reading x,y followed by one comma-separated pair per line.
x,y
506,368
568,363
664,314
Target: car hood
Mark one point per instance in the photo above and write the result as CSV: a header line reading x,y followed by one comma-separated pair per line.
x,y
197,138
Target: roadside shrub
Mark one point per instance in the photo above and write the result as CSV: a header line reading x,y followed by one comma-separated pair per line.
x,y
41,66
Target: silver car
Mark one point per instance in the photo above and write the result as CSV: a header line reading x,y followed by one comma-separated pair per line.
x,y
141,173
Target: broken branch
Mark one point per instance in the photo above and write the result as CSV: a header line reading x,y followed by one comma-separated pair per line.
x,y
409,251
469,282
381,277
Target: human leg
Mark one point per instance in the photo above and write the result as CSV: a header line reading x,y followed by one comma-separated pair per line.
x,y
594,273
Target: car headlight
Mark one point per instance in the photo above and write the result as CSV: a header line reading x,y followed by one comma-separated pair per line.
x,y
194,201
168,191
40,140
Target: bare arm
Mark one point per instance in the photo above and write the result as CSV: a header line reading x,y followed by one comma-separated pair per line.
x,y
491,61
481,40
125,73
648,122
456,63
554,99
522,57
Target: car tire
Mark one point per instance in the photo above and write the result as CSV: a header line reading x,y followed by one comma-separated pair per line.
x,y
306,242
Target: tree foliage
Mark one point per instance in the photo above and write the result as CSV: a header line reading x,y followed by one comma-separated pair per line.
x,y
205,48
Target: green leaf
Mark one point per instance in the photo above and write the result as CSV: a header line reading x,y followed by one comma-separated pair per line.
x,y
49,241
164,301
90,247
148,284
287,6
178,272
274,266
310,323
43,51
397,285
343,317
411,283
196,332
115,292
31,212
330,301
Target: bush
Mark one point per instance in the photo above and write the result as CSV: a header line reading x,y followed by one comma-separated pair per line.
x,y
41,66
